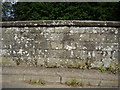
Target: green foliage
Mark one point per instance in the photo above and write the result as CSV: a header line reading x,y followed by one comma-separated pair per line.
x,y
7,13
42,82
65,11
74,83
110,68
102,68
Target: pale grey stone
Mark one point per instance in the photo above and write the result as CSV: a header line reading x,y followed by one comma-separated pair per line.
x,y
56,45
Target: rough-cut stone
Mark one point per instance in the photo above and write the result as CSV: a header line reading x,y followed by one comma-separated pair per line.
x,y
84,37
53,53
108,30
69,45
94,38
56,45
53,62
54,36
40,61
62,29
67,54
48,30
60,43
92,30
81,54
77,30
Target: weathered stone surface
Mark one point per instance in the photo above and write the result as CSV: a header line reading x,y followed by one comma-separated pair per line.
x,y
84,37
81,54
8,37
86,46
64,29
92,30
67,43
53,53
40,61
54,36
96,38
77,30
69,37
68,54
108,30
48,30
61,23
53,62
107,38
56,45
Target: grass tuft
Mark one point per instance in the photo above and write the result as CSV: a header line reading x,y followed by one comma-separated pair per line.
x,y
74,83
42,82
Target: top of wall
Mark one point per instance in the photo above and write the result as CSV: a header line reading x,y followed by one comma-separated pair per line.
x,y
61,23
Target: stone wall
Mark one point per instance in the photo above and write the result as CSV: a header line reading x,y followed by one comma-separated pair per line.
x,y
62,43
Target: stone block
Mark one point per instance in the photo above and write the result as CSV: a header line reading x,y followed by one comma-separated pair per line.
x,y
81,54
53,62
68,63
55,37
9,30
99,55
39,37
96,64
53,53
115,55
69,45
95,37
108,30
41,44
48,29
111,38
7,53
77,30
29,30
67,54
70,37
40,61
22,31
56,45
24,61
100,38
81,46
59,54
22,44
108,38
23,52
92,30
7,44
109,46
84,37
107,62
64,29
8,37
80,63
86,45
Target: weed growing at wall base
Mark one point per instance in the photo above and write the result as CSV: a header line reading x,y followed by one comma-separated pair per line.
x,y
74,83
41,82
102,68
